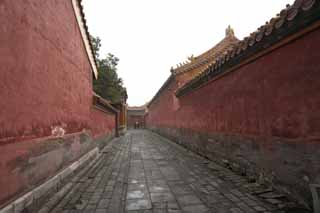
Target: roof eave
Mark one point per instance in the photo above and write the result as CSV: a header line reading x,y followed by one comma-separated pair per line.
x,y
289,23
78,10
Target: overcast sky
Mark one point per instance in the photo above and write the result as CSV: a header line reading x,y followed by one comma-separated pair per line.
x,y
150,36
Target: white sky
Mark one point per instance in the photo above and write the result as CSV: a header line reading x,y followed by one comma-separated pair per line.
x,y
150,36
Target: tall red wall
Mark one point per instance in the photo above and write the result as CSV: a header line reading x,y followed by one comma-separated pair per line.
x,y
265,115
276,95
45,74
46,83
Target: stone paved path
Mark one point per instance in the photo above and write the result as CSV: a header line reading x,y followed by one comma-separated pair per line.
x,y
143,172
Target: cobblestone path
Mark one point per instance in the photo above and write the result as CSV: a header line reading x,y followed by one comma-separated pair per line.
x,y
143,172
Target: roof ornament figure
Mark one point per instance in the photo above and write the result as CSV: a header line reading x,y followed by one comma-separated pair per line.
x,y
191,58
229,31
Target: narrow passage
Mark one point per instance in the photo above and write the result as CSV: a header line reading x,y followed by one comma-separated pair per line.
x,y
143,172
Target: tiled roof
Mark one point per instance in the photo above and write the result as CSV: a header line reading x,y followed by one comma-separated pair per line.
x,y
204,59
137,110
166,83
209,56
290,20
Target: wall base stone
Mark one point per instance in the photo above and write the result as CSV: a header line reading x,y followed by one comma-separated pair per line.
x,y
26,165
52,185
286,165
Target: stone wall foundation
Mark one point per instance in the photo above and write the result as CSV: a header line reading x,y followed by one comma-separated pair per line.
x,y
286,165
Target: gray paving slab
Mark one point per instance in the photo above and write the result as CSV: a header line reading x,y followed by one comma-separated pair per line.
x,y
143,172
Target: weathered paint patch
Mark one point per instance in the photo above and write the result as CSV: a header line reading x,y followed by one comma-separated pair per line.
x,y
25,165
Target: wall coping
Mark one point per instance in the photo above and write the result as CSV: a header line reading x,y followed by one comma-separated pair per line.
x,y
103,104
79,13
166,83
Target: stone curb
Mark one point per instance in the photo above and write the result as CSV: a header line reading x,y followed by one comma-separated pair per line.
x,y
315,189
70,187
52,184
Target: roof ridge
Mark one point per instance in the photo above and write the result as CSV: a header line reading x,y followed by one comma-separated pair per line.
x,y
261,35
207,55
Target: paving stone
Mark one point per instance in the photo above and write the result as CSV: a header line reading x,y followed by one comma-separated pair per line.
x,y
103,204
100,211
136,194
181,190
232,197
195,208
138,204
142,173
273,201
190,199
81,204
162,197
236,210
156,188
159,211
245,208
90,208
137,186
106,194
259,208
174,211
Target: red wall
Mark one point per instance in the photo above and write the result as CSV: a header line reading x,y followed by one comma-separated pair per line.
x,y
276,95
46,81
45,74
101,123
264,116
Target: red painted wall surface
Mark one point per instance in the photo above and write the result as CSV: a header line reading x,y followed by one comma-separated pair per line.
x,y
46,81
276,95
45,74
102,123
264,116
